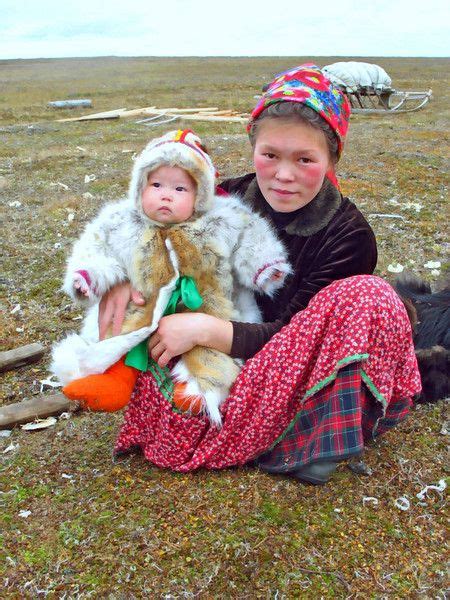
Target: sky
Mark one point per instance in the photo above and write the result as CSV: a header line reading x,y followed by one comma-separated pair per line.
x,y
50,28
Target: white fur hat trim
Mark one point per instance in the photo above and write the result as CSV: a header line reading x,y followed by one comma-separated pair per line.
x,y
181,149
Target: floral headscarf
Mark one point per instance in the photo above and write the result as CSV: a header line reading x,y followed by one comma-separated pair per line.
x,y
308,85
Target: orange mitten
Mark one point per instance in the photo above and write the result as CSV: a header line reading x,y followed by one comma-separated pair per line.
x,y
108,392
192,404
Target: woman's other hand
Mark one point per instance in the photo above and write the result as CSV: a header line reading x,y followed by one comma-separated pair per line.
x,y
113,306
180,332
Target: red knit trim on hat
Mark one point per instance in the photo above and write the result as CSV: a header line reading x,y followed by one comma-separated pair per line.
x,y
196,148
183,135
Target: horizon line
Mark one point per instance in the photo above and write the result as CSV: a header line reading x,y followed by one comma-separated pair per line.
x,y
219,56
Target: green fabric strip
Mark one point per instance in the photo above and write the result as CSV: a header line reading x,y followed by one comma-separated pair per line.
x,y
341,363
185,291
163,379
370,384
321,384
165,383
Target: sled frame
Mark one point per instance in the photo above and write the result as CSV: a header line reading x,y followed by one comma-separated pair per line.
x,y
369,100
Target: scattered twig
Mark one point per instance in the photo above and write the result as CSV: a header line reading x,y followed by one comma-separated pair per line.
x,y
336,574
261,542
391,479
387,216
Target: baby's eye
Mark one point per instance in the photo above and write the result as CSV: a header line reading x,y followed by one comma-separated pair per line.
x,y
155,184
180,188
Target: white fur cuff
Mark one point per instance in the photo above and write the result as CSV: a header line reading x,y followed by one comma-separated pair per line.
x,y
263,281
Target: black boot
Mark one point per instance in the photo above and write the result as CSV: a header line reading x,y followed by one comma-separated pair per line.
x,y
317,473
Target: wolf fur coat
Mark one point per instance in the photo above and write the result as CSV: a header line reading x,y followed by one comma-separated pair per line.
x,y
229,251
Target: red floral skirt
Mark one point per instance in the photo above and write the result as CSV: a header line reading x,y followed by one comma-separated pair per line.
x,y
356,320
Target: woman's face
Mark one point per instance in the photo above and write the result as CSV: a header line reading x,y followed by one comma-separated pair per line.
x,y
291,160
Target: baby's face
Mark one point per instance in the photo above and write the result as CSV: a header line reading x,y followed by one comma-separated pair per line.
x,y
169,196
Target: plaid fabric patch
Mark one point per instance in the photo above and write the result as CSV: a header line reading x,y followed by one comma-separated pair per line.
x,y
396,413
333,424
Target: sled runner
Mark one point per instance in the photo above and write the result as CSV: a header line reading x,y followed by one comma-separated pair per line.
x,y
369,89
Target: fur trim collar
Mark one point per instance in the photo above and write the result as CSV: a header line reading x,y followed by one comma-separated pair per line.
x,y
308,220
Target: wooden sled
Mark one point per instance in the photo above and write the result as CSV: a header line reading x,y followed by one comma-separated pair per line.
x,y
372,101
369,89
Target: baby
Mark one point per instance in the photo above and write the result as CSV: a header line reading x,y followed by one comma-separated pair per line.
x,y
184,248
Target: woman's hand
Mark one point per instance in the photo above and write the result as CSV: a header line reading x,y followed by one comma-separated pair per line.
x,y
180,332
113,306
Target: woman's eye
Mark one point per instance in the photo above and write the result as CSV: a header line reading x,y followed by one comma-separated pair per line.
x,y
269,155
304,160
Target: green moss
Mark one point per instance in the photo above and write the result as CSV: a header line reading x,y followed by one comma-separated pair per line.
x,y
71,533
39,557
271,511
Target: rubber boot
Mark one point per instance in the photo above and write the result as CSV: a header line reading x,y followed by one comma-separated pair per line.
x,y
317,473
192,404
107,392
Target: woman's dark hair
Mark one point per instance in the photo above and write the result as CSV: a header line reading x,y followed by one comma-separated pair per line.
x,y
297,112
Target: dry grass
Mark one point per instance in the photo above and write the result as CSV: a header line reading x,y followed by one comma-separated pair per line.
x,y
130,530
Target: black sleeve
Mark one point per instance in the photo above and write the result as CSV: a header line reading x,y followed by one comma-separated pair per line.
x,y
351,252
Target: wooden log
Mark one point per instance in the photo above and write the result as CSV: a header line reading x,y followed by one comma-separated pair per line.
x,y
387,216
24,355
36,408
109,114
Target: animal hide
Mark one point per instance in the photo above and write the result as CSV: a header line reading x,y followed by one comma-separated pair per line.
x,y
431,334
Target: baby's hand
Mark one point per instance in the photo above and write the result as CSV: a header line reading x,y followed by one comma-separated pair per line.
x,y
272,277
81,285
277,275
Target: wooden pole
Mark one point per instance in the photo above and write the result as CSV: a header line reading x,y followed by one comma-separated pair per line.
x,y
207,117
153,110
120,113
11,359
109,114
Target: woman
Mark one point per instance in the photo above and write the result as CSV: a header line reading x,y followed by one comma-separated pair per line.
x,y
333,364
